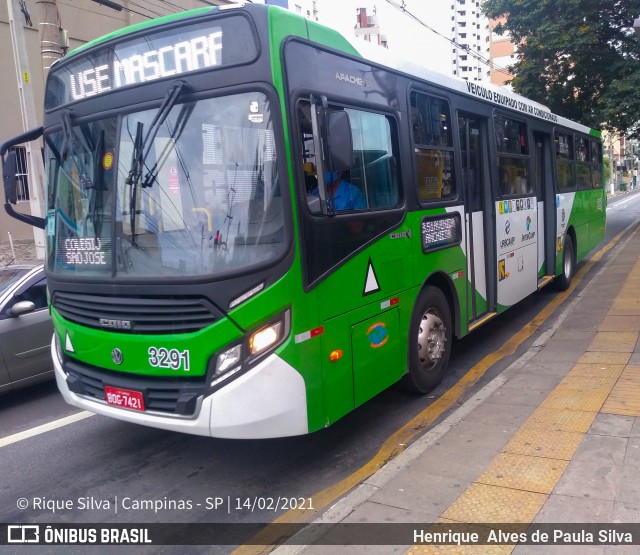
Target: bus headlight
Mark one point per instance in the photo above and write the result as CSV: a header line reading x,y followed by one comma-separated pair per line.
x,y
254,347
228,359
264,338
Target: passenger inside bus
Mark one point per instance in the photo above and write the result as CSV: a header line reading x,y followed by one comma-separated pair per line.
x,y
341,195
310,177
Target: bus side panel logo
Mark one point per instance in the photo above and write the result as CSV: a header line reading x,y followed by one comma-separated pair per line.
x,y
377,335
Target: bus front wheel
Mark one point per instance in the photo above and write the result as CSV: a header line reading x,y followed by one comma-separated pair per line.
x,y
568,263
430,338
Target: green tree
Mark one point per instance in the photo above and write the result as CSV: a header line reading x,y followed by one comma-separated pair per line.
x,y
581,58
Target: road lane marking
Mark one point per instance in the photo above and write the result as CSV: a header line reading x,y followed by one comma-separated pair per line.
x,y
31,432
620,203
397,443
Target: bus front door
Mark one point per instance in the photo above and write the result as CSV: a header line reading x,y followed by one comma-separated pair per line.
x,y
543,182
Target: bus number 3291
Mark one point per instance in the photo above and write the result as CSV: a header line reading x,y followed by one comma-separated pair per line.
x,y
169,358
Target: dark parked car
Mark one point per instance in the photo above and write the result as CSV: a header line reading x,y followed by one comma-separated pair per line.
x,y
25,327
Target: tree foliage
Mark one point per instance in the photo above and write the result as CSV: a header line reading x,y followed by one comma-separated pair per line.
x,y
581,58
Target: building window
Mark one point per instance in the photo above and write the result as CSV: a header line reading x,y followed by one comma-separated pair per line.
x,y
22,174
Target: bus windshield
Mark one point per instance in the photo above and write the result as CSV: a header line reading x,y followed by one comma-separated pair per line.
x,y
205,200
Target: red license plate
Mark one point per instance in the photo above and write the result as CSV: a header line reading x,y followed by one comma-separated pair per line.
x,y
125,398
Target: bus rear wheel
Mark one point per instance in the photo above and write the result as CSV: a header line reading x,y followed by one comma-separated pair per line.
x,y
568,264
430,338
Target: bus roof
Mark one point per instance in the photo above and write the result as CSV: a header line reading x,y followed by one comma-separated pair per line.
x,y
499,96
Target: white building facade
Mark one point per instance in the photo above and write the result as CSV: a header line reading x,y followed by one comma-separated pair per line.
x,y
470,33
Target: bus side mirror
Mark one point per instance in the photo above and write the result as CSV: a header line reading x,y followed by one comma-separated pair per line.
x,y
9,166
339,145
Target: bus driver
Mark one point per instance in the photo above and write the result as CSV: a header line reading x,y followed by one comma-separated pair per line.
x,y
341,195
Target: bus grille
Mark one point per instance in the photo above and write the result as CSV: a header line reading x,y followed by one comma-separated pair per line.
x,y
163,395
136,314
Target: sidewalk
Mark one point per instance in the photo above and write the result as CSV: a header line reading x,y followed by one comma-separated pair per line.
x,y
554,439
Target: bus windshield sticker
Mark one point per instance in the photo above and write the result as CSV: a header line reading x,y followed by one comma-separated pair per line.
x,y
51,223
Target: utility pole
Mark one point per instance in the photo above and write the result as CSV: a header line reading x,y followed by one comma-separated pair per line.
x,y
29,120
53,39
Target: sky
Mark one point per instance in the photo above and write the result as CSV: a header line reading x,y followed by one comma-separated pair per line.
x,y
406,38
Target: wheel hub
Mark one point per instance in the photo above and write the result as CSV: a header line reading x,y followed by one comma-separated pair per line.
x,y
431,339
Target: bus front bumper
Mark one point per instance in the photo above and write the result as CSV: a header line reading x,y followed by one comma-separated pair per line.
x,y
269,400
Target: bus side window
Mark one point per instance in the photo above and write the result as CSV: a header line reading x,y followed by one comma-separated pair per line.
x,y
374,170
565,161
433,147
513,156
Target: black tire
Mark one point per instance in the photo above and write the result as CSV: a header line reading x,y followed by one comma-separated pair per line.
x,y
430,336
568,264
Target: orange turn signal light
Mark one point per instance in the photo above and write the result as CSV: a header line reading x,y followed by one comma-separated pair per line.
x,y
336,355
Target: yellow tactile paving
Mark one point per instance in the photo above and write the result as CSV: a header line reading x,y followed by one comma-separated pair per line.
x,y
485,503
620,323
625,306
523,472
561,420
614,341
601,370
625,396
461,550
538,442
590,380
568,398
599,358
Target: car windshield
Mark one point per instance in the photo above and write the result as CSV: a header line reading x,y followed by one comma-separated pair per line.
x,y
9,276
192,192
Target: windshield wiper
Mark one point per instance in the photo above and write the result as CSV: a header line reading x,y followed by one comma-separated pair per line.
x,y
141,148
70,148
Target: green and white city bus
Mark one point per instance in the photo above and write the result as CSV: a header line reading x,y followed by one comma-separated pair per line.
x,y
201,281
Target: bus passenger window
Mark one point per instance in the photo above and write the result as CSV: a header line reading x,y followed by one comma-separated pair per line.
x,y
596,165
374,170
433,147
565,161
435,170
372,182
513,156
583,158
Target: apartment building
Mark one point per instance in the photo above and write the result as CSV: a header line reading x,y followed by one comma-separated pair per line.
x,y
503,53
470,33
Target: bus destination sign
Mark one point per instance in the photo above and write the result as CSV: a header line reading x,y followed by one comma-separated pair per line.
x,y
200,52
160,53
85,251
